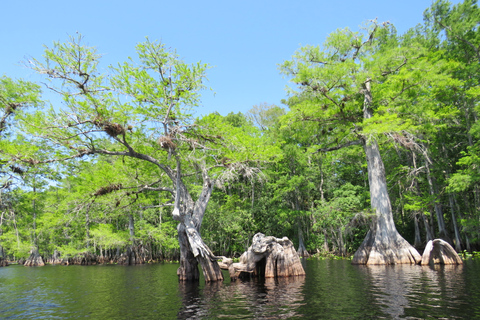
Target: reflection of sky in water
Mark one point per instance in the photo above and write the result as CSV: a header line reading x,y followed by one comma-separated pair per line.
x,y
330,290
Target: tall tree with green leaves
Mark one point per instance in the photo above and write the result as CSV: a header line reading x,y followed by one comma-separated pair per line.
x,y
458,31
143,110
357,89
16,96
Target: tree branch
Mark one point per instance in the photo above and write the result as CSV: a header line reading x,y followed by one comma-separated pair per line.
x,y
347,144
448,28
385,73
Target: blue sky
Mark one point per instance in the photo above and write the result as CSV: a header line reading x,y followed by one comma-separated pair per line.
x,y
244,41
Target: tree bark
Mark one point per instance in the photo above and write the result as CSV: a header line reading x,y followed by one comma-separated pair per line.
x,y
192,248
458,241
34,216
451,200
34,260
442,231
55,258
267,257
131,227
467,240
439,251
418,239
383,244
428,230
302,251
3,260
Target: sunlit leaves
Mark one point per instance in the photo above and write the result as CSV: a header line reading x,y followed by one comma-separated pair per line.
x,y
105,236
405,78
160,83
15,95
237,143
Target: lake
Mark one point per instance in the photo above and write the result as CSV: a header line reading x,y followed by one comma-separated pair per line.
x,y
332,289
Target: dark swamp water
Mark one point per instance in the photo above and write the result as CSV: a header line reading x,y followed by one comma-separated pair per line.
x,y
330,290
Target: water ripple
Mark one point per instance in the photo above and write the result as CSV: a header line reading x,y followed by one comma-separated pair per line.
x,y
330,290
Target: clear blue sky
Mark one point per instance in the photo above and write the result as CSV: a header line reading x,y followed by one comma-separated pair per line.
x,y
244,41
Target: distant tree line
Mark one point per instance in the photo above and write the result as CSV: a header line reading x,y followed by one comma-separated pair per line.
x,y
102,172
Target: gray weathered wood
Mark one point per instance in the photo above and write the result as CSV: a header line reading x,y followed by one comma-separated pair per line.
x,y
439,251
193,250
383,244
268,257
35,259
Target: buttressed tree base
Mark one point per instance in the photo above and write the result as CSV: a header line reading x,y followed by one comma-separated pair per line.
x,y
267,257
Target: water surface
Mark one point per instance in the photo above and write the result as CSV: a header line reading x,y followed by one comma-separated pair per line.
x,y
330,290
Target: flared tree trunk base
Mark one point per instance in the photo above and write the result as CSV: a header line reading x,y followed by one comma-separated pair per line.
x,y
302,251
439,251
55,258
188,270
136,254
211,270
34,260
267,257
383,248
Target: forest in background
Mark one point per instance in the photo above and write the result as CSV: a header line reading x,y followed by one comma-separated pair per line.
x,y
86,176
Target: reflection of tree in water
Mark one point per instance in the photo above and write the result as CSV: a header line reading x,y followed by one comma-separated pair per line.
x,y
416,292
256,298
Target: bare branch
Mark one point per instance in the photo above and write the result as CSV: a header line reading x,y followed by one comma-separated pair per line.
x,y
448,28
385,73
158,206
347,144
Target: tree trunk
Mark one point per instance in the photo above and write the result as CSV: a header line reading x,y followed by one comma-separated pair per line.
x,y
192,248
451,200
131,227
458,241
442,231
55,258
320,187
341,244
302,251
440,252
383,244
418,239
325,242
16,230
428,230
34,217
467,240
267,257
3,260
34,260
